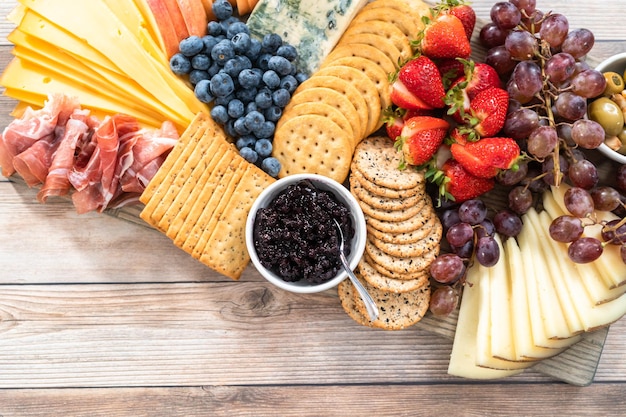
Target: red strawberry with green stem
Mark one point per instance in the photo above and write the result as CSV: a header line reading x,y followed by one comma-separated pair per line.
x,y
422,78
477,76
463,11
421,138
486,157
444,37
457,184
487,114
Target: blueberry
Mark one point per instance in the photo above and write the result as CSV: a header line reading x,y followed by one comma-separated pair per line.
x,y
251,106
202,91
223,101
245,140
229,128
246,95
287,51
254,121
271,42
271,79
271,166
289,83
201,62
248,78
281,97
240,127
266,130
213,28
280,64
236,28
273,113
241,42
222,84
263,61
223,51
214,69
263,98
191,46
248,154
180,64
195,76
301,77
235,108
254,50
263,147
234,66
226,24
222,9
220,114
209,42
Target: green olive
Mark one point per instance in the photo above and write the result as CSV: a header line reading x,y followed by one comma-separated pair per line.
x,y
622,136
606,112
614,83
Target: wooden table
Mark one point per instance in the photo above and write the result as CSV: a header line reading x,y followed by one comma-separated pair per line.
x,y
103,317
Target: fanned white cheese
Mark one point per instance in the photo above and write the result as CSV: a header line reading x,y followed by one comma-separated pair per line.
x,y
313,27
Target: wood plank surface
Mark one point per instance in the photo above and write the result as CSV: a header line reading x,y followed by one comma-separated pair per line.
x,y
100,316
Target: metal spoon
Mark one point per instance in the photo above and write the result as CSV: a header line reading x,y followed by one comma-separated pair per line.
x,y
370,305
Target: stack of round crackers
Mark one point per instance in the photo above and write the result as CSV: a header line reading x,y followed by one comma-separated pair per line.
x,y
342,102
403,237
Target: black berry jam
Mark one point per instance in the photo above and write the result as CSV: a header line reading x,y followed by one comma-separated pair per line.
x,y
295,236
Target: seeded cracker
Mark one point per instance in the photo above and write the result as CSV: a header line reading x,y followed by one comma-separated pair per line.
x,y
391,215
378,161
346,291
396,275
383,203
404,237
385,283
357,176
409,250
397,264
397,311
412,224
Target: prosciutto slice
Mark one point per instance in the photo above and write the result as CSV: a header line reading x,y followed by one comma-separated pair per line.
x,y
33,126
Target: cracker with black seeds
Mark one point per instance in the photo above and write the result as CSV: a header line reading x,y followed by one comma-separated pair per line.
x,y
409,225
346,291
397,264
384,203
404,276
390,215
397,311
385,283
426,245
385,192
377,159
405,237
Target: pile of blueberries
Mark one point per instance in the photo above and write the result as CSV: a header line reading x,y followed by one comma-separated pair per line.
x,y
248,81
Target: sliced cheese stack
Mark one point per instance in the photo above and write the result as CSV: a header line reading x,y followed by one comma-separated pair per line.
x,y
535,302
201,196
109,57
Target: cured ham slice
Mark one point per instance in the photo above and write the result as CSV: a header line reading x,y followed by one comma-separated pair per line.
x,y
34,163
33,126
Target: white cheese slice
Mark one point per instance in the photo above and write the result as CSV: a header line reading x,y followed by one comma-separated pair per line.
x,y
313,27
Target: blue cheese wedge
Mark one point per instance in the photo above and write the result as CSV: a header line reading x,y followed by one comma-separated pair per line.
x,y
313,27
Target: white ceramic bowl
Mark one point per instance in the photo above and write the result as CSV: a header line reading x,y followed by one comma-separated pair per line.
x,y
615,63
343,195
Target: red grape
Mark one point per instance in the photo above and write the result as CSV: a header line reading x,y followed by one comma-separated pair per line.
x,y
585,250
447,268
554,29
443,300
566,228
505,15
578,201
487,251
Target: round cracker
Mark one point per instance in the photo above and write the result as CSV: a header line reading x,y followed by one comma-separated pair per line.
x,y
319,108
404,276
398,264
431,243
373,72
387,30
378,190
367,88
404,237
397,311
345,291
385,283
410,225
330,97
415,8
313,144
377,159
377,41
345,87
409,24
383,203
363,51
391,215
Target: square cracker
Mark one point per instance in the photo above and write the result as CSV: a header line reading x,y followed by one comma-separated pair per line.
x,y
225,250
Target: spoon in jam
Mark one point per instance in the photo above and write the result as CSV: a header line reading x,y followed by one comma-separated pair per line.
x,y
370,305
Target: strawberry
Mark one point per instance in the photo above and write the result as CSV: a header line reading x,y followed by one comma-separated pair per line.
x,y
421,137
402,97
487,112
476,77
465,14
394,122
451,69
456,184
444,37
486,157
422,78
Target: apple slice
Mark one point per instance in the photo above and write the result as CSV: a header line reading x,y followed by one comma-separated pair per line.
x,y
194,16
177,19
165,25
463,357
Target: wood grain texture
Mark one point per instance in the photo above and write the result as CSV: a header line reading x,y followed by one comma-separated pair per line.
x,y
99,316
